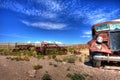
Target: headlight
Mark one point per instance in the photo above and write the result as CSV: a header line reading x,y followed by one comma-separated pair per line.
x,y
99,39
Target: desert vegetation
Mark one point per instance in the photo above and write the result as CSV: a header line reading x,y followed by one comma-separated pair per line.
x,y
38,63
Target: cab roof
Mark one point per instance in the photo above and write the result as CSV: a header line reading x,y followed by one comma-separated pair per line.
x,y
109,22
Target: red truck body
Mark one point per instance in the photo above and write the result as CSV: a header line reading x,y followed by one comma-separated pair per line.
x,y
110,51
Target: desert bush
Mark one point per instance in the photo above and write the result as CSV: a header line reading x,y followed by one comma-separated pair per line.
x,y
60,52
70,59
39,56
55,65
5,52
70,49
32,49
76,76
49,57
16,53
17,58
1,51
8,57
80,59
53,56
68,69
87,58
26,58
58,60
37,67
30,53
50,63
46,76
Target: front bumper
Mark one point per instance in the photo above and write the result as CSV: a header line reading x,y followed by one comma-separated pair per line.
x,y
106,58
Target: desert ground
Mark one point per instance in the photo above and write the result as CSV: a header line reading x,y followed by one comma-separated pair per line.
x,y
58,70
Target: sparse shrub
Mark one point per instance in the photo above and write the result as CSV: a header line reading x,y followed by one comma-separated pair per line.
x,y
17,53
69,75
17,58
39,56
6,52
1,50
50,63
55,65
32,49
60,52
37,67
87,58
26,58
12,58
76,76
30,53
8,57
70,59
70,49
58,60
80,59
46,76
49,57
54,56
68,69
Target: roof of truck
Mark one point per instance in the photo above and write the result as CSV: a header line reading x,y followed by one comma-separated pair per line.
x,y
108,22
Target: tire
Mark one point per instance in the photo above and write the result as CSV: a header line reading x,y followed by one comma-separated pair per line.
x,y
96,63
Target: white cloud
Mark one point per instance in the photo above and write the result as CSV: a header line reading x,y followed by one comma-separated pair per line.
x,y
29,42
57,42
51,4
31,10
37,42
50,9
116,20
94,16
46,25
88,32
100,15
85,36
48,15
14,35
48,41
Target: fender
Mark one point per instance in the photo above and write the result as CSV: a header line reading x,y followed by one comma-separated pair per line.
x,y
101,48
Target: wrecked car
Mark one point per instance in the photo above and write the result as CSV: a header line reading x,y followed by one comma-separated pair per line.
x,y
105,43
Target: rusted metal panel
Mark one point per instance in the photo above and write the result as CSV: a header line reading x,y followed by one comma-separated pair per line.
x,y
94,47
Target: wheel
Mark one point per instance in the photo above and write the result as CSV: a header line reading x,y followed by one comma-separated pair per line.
x,y
96,63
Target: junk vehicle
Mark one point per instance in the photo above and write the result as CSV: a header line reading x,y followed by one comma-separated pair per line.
x,y
105,43
44,48
19,47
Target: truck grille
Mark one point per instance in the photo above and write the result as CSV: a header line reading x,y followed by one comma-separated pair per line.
x,y
115,40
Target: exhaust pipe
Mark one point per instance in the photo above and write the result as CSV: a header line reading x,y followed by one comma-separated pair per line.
x,y
106,58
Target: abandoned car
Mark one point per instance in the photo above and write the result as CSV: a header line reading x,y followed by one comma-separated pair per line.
x,y
105,43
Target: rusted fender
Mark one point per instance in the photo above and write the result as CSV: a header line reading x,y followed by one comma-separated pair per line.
x,y
95,47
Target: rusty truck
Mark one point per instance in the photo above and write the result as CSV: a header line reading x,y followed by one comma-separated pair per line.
x,y
108,33
44,48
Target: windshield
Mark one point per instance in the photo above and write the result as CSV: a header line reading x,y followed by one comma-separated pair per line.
x,y
107,27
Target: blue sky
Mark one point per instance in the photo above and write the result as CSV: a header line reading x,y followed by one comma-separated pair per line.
x,y
65,21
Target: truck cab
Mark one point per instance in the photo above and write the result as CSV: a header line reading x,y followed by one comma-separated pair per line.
x,y
110,46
